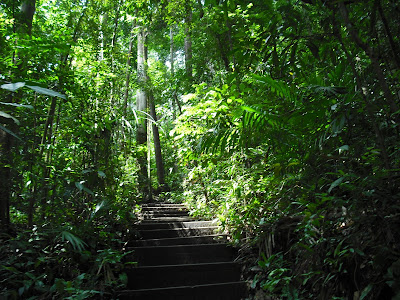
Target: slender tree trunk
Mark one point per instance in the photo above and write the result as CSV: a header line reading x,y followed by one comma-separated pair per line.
x,y
188,42
116,21
141,97
157,144
172,62
171,50
149,177
141,107
389,35
5,174
128,70
112,52
46,138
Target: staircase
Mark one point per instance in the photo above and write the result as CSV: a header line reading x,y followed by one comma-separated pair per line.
x,y
180,258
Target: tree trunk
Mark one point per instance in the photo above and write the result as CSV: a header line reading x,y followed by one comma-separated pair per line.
x,y
157,144
188,42
128,71
172,62
171,50
389,35
5,175
141,107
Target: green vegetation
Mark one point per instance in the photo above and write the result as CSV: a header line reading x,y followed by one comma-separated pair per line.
x,y
279,117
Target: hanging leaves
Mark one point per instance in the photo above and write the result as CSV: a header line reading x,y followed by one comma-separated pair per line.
x,y
12,86
45,91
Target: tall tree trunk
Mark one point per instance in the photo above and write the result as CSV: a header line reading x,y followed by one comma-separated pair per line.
x,y
25,17
172,62
5,181
112,51
389,35
141,107
157,144
188,42
171,50
128,70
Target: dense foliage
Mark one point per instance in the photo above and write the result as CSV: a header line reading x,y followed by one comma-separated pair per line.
x,y
278,117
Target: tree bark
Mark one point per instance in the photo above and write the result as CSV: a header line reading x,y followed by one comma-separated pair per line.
x,y
172,62
141,97
389,35
25,17
188,42
157,144
5,175
171,51
141,107
128,70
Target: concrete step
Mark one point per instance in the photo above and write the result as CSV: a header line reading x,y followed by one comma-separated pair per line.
x,y
168,219
217,291
181,254
190,240
167,225
165,204
157,214
167,208
182,275
177,232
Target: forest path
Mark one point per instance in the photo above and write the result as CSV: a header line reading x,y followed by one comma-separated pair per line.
x,y
181,258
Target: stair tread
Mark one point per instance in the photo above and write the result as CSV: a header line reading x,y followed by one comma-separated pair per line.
x,y
190,286
194,239
219,245
163,204
179,229
226,263
222,235
183,224
170,219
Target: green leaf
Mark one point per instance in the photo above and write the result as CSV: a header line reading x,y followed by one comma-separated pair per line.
x,y
335,183
76,242
343,148
6,115
10,132
45,91
249,109
81,187
366,291
12,86
21,290
17,105
337,250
